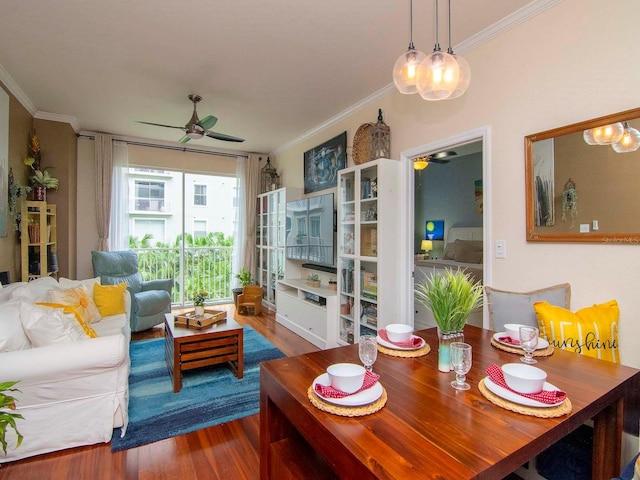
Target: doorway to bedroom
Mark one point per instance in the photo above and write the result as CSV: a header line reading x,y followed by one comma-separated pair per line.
x,y
446,201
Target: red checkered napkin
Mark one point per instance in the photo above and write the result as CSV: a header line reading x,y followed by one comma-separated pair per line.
x,y
414,342
510,341
327,391
545,396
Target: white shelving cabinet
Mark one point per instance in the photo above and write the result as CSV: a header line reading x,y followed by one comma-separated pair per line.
x,y
308,311
270,240
369,267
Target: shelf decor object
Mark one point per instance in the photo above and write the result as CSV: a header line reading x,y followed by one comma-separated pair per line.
x,y
380,139
269,178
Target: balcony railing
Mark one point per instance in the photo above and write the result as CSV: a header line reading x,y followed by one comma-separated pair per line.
x,y
153,205
200,268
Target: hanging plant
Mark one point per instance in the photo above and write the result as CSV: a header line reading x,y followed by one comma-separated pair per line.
x,y
16,191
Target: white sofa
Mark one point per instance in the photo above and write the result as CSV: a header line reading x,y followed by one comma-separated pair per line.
x,y
72,393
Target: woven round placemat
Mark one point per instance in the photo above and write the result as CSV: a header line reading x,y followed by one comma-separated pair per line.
x,y
543,352
347,411
405,353
541,412
362,144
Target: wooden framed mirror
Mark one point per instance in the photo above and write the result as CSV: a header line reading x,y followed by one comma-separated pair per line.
x,y
579,190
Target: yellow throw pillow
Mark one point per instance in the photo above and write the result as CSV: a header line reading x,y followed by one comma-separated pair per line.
x,y
109,298
591,331
79,299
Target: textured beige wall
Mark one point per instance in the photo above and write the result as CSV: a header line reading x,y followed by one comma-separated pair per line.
x,y
553,70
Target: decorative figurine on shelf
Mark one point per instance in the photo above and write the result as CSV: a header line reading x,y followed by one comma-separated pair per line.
x,y
41,179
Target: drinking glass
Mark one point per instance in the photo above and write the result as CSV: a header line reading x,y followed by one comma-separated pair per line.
x,y
460,354
368,349
528,342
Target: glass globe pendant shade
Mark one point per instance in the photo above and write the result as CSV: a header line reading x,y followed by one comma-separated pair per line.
x,y
608,134
464,77
630,141
405,71
588,137
438,76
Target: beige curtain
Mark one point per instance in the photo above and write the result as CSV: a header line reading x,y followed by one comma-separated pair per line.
x,y
104,169
252,186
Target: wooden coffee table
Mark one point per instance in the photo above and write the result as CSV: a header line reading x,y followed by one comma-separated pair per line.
x,y
187,348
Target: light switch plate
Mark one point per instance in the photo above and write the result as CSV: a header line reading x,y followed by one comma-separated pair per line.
x,y
584,228
501,249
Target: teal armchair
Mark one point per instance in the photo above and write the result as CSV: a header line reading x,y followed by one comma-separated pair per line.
x,y
150,300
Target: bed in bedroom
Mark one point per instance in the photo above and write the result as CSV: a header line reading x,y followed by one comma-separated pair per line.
x,y
463,249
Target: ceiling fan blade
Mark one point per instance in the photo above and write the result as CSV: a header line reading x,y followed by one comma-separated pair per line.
x,y
222,136
184,139
208,122
159,125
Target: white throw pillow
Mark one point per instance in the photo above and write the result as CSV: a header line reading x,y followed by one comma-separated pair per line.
x,y
12,336
36,290
88,283
7,290
45,325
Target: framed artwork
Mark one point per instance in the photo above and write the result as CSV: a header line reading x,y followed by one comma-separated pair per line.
x,y
321,164
434,229
478,196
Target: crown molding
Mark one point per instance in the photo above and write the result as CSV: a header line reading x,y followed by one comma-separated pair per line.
x,y
503,25
16,91
54,117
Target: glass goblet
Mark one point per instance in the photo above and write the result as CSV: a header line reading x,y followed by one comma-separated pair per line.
x,y
528,342
368,350
460,354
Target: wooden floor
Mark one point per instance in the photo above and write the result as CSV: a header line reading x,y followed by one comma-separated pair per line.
x,y
227,452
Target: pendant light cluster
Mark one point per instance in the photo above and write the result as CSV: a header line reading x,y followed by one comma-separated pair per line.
x,y
438,76
622,137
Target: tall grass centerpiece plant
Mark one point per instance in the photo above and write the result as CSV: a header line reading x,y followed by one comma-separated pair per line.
x,y
451,297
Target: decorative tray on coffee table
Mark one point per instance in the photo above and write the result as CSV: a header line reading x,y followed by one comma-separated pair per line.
x,y
191,320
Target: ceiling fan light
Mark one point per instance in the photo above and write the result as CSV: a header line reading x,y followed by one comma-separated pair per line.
x,y
420,163
608,134
405,71
438,76
630,141
195,135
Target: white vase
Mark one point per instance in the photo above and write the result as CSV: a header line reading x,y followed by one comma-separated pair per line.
x,y
199,310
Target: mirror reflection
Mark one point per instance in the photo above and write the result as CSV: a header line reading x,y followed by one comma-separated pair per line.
x,y
581,181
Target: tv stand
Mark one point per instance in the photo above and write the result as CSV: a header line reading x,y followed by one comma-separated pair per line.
x,y
310,312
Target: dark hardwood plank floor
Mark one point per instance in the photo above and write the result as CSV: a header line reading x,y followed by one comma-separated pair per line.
x,y
226,452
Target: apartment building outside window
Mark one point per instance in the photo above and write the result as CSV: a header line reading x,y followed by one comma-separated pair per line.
x,y
149,196
200,195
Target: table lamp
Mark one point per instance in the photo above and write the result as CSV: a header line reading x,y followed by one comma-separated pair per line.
x,y
426,246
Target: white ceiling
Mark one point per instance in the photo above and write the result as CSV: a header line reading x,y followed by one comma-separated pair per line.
x,y
270,70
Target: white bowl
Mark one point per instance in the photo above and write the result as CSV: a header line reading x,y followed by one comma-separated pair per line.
x,y
524,378
513,330
347,377
399,332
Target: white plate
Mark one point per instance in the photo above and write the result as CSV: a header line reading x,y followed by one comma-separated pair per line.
x,y
393,346
519,399
364,397
542,343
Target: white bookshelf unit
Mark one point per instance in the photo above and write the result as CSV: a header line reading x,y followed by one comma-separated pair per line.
x,y
369,270
270,240
308,311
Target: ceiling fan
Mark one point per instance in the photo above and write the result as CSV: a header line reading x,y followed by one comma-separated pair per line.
x,y
196,128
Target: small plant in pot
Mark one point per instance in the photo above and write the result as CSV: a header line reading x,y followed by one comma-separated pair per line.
x,y
451,297
41,179
245,278
313,280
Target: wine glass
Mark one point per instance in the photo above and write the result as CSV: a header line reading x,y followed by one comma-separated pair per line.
x,y
528,342
460,354
368,350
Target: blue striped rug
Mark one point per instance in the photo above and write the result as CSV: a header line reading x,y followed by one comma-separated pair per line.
x,y
209,396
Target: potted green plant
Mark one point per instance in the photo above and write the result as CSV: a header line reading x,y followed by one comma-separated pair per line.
x,y
245,278
41,179
313,280
451,297
8,419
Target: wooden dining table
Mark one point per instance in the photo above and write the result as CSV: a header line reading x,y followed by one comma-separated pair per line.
x,y
427,429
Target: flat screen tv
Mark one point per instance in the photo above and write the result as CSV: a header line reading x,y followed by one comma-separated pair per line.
x,y
310,230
